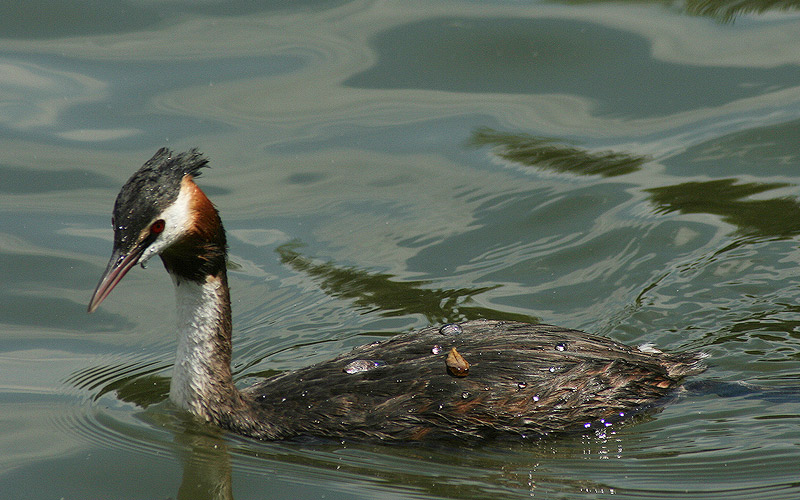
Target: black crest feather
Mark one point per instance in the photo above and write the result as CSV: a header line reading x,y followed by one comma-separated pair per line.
x,y
151,190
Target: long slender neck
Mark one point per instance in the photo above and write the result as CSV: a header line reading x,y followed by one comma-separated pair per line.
x,y
202,382
201,379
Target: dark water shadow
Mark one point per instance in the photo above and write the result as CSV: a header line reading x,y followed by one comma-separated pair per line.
x,y
744,390
725,11
137,383
555,155
209,458
453,470
726,198
206,462
777,217
728,10
381,293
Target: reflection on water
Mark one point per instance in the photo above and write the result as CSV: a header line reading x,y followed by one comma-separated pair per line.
x,y
379,293
729,10
773,217
134,383
206,463
548,153
721,10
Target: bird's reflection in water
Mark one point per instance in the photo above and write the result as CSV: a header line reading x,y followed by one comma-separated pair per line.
x,y
206,462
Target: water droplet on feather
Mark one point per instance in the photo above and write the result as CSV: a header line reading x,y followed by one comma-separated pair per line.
x,y
451,329
362,365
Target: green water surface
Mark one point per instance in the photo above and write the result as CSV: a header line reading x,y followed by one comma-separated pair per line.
x,y
626,168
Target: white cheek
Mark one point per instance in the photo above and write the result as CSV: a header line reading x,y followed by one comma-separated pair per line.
x,y
178,219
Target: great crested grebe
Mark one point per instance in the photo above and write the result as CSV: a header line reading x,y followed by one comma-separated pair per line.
x,y
474,379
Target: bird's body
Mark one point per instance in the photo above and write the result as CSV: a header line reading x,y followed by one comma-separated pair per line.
x,y
517,379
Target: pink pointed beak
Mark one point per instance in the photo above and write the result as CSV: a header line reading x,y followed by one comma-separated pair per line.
x,y
118,266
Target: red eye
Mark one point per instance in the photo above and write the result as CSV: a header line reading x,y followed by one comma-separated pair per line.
x,y
157,226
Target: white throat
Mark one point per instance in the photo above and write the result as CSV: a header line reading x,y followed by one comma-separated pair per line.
x,y
201,373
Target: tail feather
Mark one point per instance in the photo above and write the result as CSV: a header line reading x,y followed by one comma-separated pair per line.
x,y
685,364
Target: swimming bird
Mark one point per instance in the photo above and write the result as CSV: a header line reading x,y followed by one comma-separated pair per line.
x,y
476,379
